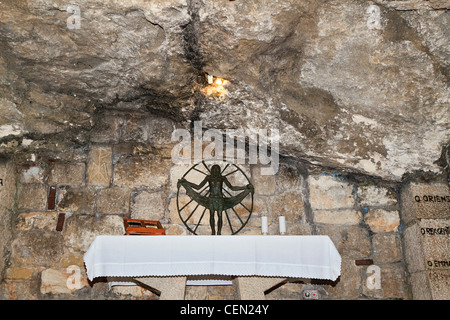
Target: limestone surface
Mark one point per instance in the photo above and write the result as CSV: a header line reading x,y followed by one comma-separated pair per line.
x,y
356,85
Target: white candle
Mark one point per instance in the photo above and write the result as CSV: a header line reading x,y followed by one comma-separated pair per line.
x,y
282,222
264,226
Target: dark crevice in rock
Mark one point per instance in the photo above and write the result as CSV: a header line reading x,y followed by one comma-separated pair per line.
x,y
303,173
192,48
156,102
397,30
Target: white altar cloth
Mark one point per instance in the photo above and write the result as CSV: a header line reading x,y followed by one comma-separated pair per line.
x,y
312,257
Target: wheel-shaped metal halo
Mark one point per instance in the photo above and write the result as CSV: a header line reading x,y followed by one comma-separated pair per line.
x,y
194,215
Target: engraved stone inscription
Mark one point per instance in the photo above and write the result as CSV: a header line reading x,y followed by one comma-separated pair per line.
x,y
425,201
432,198
435,231
426,214
438,264
436,242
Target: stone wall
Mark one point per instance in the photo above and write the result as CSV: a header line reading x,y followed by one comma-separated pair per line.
x,y
7,194
86,117
426,217
128,173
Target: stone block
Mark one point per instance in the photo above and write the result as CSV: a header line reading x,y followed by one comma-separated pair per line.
x,y
425,201
145,149
386,248
288,204
134,172
54,281
288,291
414,256
158,130
107,129
287,178
80,230
7,185
440,284
220,292
343,216
19,289
115,200
99,166
350,241
171,288
380,220
70,260
435,239
264,184
253,288
179,170
19,273
328,192
147,206
369,196
125,148
257,231
37,247
394,282
392,285
37,220
79,200
7,192
33,174
426,253
426,212
32,197
420,285
238,178
196,293
349,282
204,228
67,174
65,281
262,206
172,214
136,292
174,229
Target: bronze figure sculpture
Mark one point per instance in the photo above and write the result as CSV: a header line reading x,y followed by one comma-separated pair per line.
x,y
212,194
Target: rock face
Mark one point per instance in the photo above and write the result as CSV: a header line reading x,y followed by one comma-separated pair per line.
x,y
355,91
356,85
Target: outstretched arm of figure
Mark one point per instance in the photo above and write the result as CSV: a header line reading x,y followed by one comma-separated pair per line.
x,y
193,185
234,188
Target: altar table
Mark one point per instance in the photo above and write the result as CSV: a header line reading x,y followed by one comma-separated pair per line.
x,y
168,261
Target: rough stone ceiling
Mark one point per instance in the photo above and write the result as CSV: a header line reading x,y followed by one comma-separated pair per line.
x,y
342,93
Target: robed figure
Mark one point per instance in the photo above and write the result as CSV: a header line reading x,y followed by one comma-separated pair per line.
x,y
215,201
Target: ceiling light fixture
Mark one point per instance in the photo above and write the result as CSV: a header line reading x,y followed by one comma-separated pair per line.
x,y
214,86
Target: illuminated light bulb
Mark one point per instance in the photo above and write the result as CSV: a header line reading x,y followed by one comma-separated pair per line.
x,y
210,79
219,82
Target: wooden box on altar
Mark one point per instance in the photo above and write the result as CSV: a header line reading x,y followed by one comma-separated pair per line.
x,y
143,227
